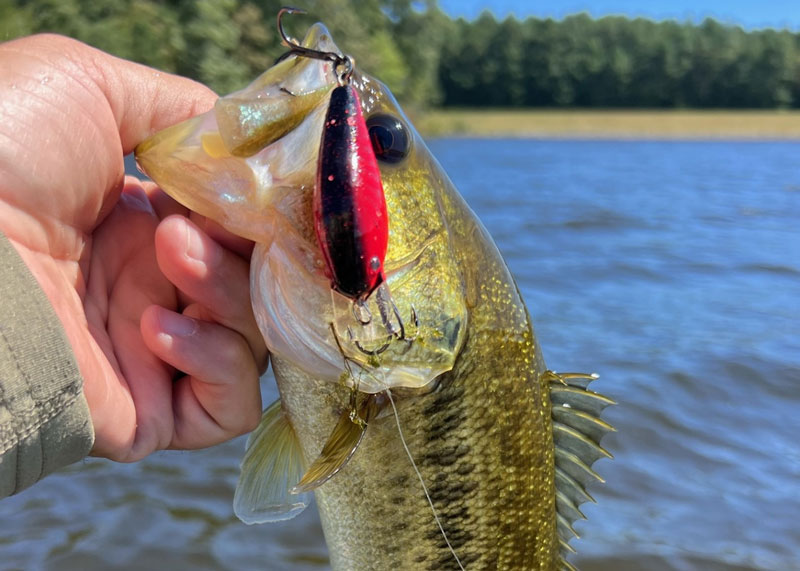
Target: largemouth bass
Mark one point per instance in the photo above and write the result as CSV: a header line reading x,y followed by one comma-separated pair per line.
x,y
451,446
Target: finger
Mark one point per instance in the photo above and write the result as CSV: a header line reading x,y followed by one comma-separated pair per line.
x,y
163,204
76,93
219,397
214,278
143,100
241,246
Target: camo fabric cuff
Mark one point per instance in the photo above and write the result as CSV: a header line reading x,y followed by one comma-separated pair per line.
x,y
44,419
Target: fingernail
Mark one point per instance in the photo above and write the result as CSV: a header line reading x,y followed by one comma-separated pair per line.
x,y
195,248
177,324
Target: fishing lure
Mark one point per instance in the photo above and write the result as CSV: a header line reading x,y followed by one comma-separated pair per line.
x,y
350,216
349,205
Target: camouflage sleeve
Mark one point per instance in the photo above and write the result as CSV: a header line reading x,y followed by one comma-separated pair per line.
x,y
44,419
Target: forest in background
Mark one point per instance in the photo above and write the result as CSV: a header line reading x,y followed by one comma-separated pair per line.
x,y
429,59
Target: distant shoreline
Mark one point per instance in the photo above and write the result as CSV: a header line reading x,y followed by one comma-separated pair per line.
x,y
648,124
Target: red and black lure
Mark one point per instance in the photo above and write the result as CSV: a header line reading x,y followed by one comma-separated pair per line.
x,y
349,205
350,217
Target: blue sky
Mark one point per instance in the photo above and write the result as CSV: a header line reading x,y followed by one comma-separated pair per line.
x,y
747,13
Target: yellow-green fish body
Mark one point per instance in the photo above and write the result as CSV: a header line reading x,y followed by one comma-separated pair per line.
x,y
503,446
482,441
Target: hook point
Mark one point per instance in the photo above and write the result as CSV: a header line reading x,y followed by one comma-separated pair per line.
x,y
290,43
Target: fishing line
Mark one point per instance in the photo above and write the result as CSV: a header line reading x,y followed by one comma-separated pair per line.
x,y
421,481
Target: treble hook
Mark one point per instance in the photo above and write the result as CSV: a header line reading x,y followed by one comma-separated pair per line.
x,y
398,333
361,312
345,63
373,352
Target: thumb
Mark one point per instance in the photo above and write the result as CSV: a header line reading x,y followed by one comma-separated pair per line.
x,y
142,100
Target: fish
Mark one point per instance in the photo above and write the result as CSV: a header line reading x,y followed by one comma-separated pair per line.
x,y
454,446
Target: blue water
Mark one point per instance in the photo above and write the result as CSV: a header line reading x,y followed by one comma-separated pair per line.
x,y
673,270
670,268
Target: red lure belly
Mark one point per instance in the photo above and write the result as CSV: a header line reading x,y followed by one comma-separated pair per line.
x,y
350,216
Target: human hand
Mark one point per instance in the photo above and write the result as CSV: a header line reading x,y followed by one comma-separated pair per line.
x,y
116,274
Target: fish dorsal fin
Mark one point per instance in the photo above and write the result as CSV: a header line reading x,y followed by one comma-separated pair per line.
x,y
577,431
341,445
272,463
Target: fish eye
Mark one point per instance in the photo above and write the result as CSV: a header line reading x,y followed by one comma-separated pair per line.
x,y
389,138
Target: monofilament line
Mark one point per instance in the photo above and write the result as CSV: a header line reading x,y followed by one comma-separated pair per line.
x,y
421,481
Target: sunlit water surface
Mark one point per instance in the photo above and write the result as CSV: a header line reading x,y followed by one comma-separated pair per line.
x,y
672,269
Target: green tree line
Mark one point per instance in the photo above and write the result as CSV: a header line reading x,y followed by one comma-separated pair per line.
x,y
428,58
618,62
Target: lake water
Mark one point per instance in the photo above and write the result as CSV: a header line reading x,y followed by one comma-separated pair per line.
x,y
670,268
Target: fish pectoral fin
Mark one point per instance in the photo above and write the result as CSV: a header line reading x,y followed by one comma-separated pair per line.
x,y
577,432
341,445
272,461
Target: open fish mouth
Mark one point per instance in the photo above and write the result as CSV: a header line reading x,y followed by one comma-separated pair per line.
x,y
233,163
250,164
